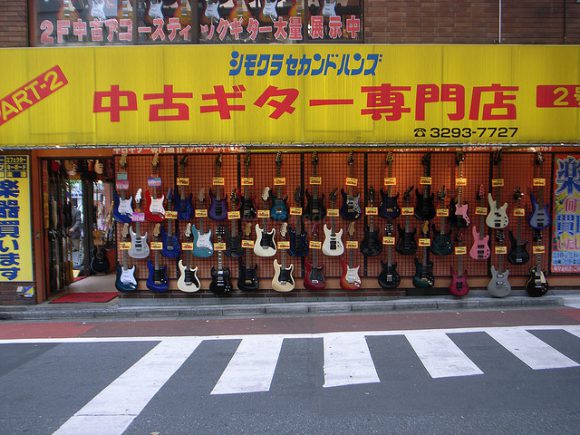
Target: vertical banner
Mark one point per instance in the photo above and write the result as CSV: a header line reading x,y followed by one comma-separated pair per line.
x,y
566,237
15,225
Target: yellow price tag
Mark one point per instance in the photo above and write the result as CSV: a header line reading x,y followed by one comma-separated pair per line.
x,y
182,181
442,212
232,215
500,250
425,181
200,213
497,182
389,241
219,181
539,182
424,242
408,211
332,212
220,246
390,181
283,245
371,211
313,244
156,246
351,181
248,244
170,214
315,180
280,181
519,211
264,214
247,181
352,244
125,246
187,246
460,250
481,211
461,181
538,249
295,211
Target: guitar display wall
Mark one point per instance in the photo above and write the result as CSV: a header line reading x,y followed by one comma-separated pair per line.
x,y
370,169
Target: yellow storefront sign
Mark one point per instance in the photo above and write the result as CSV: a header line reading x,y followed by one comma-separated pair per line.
x,y
282,94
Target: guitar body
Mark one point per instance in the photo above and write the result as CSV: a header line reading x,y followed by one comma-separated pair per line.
x,y
371,246
157,280
122,208
406,243
315,210
125,280
423,277
537,285
480,249
389,208
234,245
218,209
441,244
139,247
220,281
540,217
154,210
458,286
349,279
389,277
247,209
499,285
332,245
298,243
458,217
184,207
350,209
425,208
518,253
279,210
99,262
248,278
497,217
171,245
314,277
202,244
265,245
283,280
188,281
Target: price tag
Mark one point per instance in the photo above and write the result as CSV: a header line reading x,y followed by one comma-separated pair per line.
x,y
500,250
283,245
481,211
315,180
122,176
169,214
295,211
442,212
247,181
218,181
248,244
187,246
280,181
264,214
154,181
389,241
390,181
182,181
122,184
424,242
371,211
519,211
408,211
232,215
313,244
538,249
125,246
497,182
352,244
200,213
156,246
138,217
332,212
539,182
425,181
462,181
460,250
220,246
351,181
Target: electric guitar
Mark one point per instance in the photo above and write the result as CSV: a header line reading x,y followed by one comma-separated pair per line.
x,y
248,276
234,239
480,249
122,208
279,210
171,247
315,210
210,13
442,244
332,245
497,217
371,246
99,261
329,8
350,279
389,278
499,285
458,216
540,217
183,202
389,208
406,243
247,209
139,248
154,11
425,208
125,280
283,281
188,281
518,253
423,277
265,245
537,284
154,210
268,13
202,244
298,236
459,286
220,275
218,208
350,209
314,276
157,280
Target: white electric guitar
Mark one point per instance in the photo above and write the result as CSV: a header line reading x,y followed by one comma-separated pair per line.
x,y
270,9
188,281
265,245
155,9
283,280
497,217
332,245
329,8
139,247
98,10
211,10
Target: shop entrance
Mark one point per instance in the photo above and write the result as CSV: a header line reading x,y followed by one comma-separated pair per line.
x,y
79,229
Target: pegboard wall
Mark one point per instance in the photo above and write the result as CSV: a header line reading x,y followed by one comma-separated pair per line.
x,y
369,168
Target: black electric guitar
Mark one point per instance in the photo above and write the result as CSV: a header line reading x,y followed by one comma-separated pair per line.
x,y
442,244
537,284
425,207
279,210
459,286
389,277
424,277
298,236
248,276
518,253
157,280
234,239
350,209
218,208
314,276
315,210
183,202
389,208
99,260
220,275
371,245
247,209
458,217
406,243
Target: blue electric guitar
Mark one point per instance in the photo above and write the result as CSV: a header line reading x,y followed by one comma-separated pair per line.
x,y
171,246
350,209
298,236
202,244
122,208
540,217
157,280
125,280
279,210
183,202
218,209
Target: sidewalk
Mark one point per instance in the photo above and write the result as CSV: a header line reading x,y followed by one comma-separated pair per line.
x,y
280,306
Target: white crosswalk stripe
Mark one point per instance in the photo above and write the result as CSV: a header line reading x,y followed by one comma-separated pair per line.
x,y
347,361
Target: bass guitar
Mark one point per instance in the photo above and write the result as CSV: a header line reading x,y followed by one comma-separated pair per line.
x,y
171,247
458,216
442,244
518,253
139,247
279,210
406,243
499,285
265,245
389,278
537,284
234,239
389,208
220,275
480,248
540,217
459,286
157,280
202,244
188,281
497,217
125,280
425,207
99,260
122,208
371,245
424,277
154,210
248,276
218,208
350,209
350,279
314,276
298,236
283,281
247,209
183,202
315,210
332,245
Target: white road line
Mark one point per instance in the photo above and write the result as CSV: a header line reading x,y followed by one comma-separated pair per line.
x,y
114,408
348,361
441,356
574,330
252,367
531,350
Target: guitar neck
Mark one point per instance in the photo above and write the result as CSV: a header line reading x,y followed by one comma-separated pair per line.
x,y
460,266
390,255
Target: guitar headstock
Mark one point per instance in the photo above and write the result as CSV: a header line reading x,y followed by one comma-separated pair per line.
x,y
266,194
389,158
481,192
284,229
201,195
459,157
155,161
157,230
314,230
497,156
459,237
539,158
248,229
169,197
518,194
314,159
332,197
442,193
187,231
123,161
389,230
218,161
138,196
183,162
278,159
247,160
125,231
234,199
425,229
298,195
350,159
407,194
426,160
351,229
371,196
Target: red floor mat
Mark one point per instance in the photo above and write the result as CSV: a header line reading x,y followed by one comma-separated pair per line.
x,y
85,297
